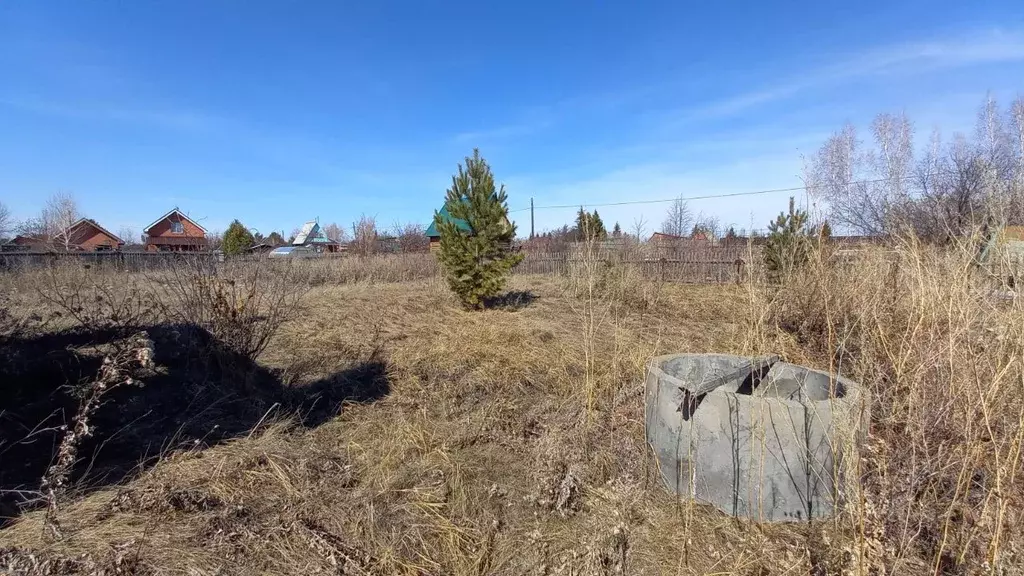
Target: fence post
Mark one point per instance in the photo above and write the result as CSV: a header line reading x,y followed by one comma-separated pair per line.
x,y
662,264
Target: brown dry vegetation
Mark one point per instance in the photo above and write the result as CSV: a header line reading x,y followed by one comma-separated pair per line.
x,y
510,441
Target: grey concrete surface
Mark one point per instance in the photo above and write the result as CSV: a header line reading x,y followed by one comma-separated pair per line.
x,y
755,437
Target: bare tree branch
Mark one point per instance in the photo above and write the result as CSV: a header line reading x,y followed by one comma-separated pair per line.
x,y
6,222
59,213
678,218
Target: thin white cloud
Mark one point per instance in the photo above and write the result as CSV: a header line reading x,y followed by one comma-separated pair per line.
x,y
978,48
169,119
501,132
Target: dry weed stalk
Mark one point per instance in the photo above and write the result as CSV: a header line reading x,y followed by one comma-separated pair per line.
x,y
920,327
130,360
602,291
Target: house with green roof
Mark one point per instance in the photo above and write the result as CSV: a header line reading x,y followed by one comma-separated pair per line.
x,y
435,235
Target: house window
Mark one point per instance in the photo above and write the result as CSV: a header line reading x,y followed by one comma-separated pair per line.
x,y
177,228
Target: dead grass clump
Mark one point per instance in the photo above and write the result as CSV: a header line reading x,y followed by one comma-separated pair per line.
x,y
943,360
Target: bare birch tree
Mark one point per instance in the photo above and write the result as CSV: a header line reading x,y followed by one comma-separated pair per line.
x,y
1017,135
863,189
6,223
59,213
894,159
678,218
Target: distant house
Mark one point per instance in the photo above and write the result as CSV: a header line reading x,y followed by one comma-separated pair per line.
x,y
261,248
661,238
312,236
435,235
175,232
27,243
87,235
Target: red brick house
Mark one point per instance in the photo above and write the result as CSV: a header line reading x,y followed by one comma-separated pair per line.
x,y
175,232
87,235
84,235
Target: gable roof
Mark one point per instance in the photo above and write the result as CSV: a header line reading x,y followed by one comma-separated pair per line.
x,y
308,229
94,224
180,215
432,230
311,233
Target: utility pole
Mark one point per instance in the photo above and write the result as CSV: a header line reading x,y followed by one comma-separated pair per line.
x,y
531,218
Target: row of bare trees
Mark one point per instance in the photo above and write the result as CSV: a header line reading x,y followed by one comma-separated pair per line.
x,y
681,221
941,192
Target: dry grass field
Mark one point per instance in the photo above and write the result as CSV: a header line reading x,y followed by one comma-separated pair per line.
x,y
384,430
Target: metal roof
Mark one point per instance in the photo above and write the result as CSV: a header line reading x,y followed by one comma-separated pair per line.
x,y
432,231
309,228
311,234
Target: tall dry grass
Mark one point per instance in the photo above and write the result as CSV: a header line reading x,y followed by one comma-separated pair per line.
x,y
351,269
941,352
603,292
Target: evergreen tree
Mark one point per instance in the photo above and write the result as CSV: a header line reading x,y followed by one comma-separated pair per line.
x,y
597,226
476,261
582,224
589,226
789,243
616,231
237,239
275,239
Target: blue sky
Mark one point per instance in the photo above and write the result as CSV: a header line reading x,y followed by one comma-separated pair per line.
x,y
279,112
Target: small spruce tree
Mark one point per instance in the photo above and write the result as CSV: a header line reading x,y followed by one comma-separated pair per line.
x,y
616,231
477,260
789,243
597,226
237,239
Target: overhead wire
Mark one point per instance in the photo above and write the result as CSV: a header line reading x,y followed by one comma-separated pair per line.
x,y
703,197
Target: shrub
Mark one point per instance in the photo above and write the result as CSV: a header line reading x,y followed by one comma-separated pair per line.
x,y
242,305
237,239
789,243
476,241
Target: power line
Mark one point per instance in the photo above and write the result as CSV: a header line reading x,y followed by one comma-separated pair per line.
x,y
705,197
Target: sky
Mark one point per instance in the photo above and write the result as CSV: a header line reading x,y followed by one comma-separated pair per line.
x,y
276,113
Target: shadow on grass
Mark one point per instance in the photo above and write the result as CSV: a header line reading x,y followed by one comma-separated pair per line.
x,y
512,301
202,394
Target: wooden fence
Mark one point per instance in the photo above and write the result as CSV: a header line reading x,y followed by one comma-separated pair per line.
x,y
124,261
700,267
664,269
